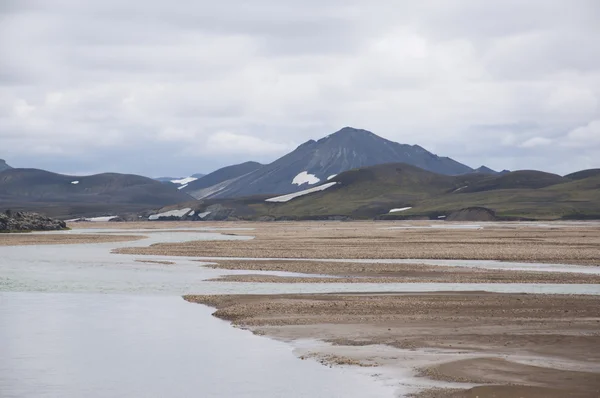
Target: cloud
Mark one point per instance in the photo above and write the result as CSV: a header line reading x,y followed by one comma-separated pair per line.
x,y
224,142
493,81
585,136
536,142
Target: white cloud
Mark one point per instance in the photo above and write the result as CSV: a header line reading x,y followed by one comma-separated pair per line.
x,y
100,77
536,142
584,136
235,144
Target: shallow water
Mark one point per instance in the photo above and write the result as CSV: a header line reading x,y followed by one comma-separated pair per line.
x,y
92,268
86,345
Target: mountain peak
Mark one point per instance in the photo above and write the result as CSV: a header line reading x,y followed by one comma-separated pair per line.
x,y
485,170
344,134
350,130
319,161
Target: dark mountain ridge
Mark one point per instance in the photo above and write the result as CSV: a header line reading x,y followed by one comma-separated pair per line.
x,y
219,179
39,189
485,170
315,161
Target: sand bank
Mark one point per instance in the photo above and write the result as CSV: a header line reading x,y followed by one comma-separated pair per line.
x,y
568,244
513,344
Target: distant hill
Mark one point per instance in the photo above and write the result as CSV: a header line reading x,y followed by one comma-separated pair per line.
x,y
485,170
3,165
219,179
63,195
583,174
315,162
397,191
527,179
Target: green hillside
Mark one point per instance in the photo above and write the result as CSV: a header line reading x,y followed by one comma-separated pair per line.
x,y
371,192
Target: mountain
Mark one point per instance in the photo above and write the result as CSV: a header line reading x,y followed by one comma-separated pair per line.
x,y
219,179
485,170
316,161
3,165
580,175
62,195
399,190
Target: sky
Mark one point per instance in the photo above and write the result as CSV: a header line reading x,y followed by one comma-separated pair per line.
x,y
171,88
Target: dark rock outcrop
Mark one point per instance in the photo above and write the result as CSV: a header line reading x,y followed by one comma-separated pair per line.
x,y
24,221
3,165
219,213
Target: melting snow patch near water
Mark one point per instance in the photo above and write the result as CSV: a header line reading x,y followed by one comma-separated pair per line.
x,y
305,178
288,197
184,181
400,209
74,182
172,213
93,219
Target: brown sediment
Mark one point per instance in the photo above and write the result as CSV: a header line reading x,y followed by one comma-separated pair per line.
x,y
488,335
506,392
495,370
62,239
570,244
387,273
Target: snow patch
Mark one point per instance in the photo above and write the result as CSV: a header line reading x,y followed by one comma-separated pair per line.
x,y
331,176
460,189
93,219
288,197
185,180
183,186
305,178
400,209
204,214
74,182
173,213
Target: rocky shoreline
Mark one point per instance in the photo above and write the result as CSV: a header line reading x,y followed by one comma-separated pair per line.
x,y
26,222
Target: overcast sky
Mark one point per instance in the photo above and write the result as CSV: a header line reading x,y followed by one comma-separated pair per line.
x,y
177,87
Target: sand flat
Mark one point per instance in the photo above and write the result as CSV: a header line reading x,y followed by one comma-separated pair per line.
x,y
356,272
541,335
28,239
565,243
